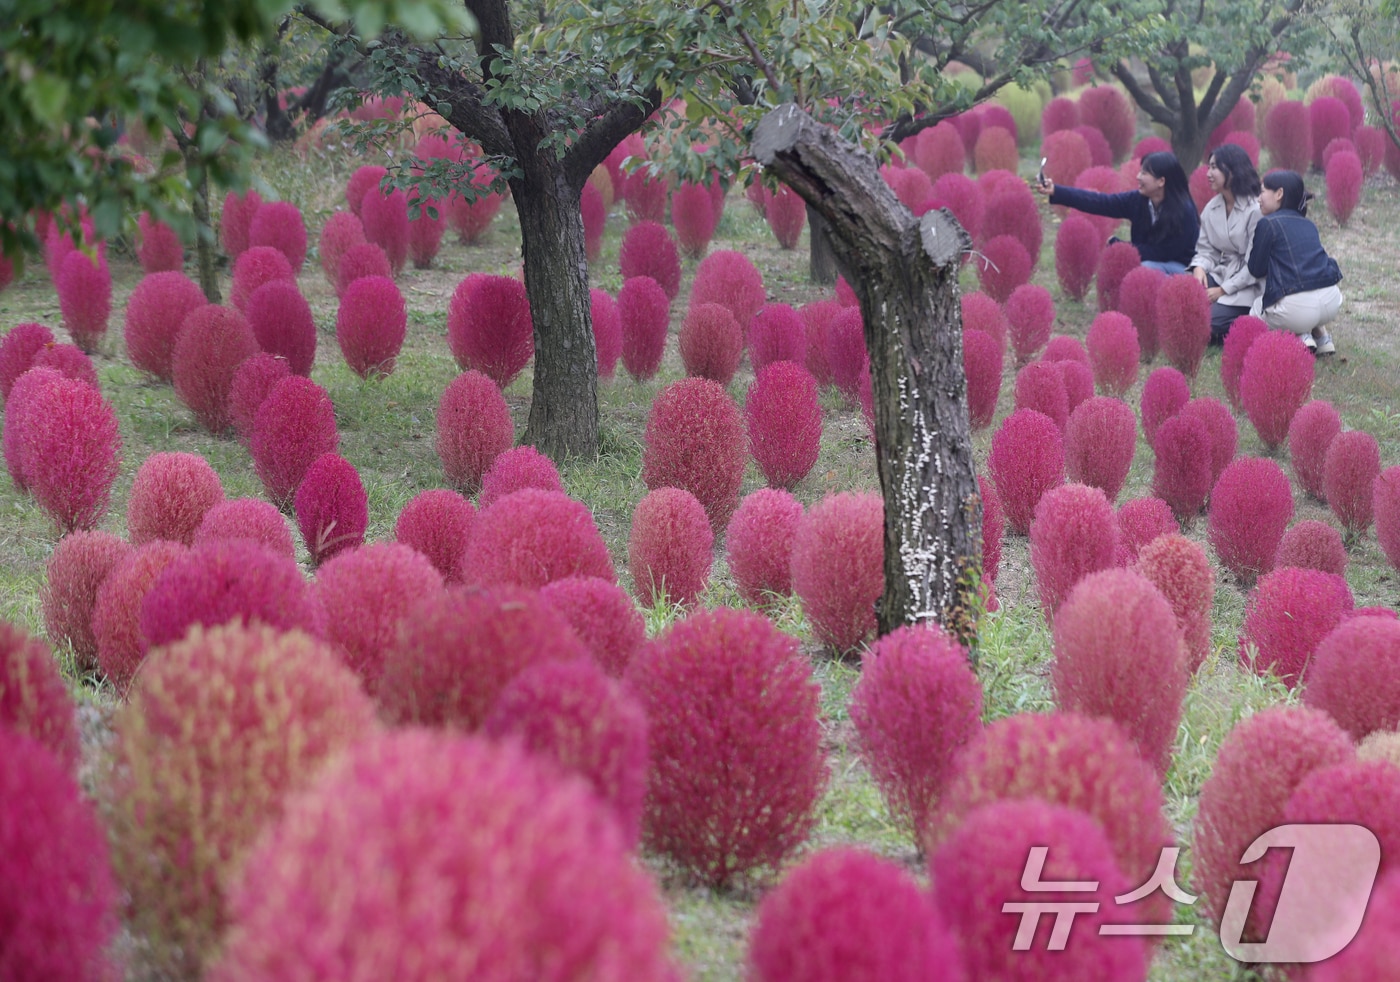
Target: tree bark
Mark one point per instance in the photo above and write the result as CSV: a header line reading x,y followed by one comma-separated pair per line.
x,y
905,274
206,255
822,260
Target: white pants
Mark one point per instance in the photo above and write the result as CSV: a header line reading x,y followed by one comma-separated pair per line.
x,y
1301,312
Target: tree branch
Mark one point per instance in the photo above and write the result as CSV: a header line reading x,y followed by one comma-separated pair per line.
x,y
1149,103
604,133
760,62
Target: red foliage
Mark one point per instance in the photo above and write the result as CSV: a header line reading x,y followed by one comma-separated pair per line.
x,y
234,221
1003,266
759,543
71,452
1310,434
838,567
332,507
279,224
995,149
1355,676
1289,612
711,342
1140,521
731,279
776,334
1100,440
360,183
1328,120
846,354
251,384
292,428
438,523
671,548
24,394
1276,380
84,288
1137,299
1164,394
1237,344
784,423
34,700
981,313
1350,468
911,186
1060,113
339,235
1344,177
1108,109
593,210
645,313
982,365
1313,545
648,250
693,217
385,220
365,259
425,232
1030,315
158,248
371,325
1199,185
695,441
1067,155
1288,135
993,526
1371,143
1026,460
607,331
117,611
965,200
602,615
786,214
817,318
18,348
533,537
1116,262
489,327
516,469
1220,424
1040,386
473,428
254,267
471,220
1100,153
1385,507
1114,352
1078,245
170,496
646,196
1179,568
69,361
1012,210
247,518
1074,534
74,574
939,150
154,313
1183,323
1182,473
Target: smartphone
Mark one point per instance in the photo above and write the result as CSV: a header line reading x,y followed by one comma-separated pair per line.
x,y
1040,178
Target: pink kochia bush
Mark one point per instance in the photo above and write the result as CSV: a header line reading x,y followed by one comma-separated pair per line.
x,y
1288,135
1310,434
544,887
776,333
1289,612
212,344
1276,380
283,325
18,348
695,441
1075,533
116,616
1003,266
1183,323
1137,300
254,380
339,235
254,268
371,326
603,616
294,425
1220,424
438,523
645,313
1237,343
758,544
846,354
69,361
1164,393
516,469
58,911
84,288
1100,439
220,729
1250,509
154,313
74,574
234,221
1349,470
1313,545
170,496
34,700
1113,352
1139,522
279,224
23,396
1030,315
365,259
784,423
982,866
648,250
385,220
1354,676
71,452
1181,475
670,548
1385,507
693,217
711,342
817,318
534,537
847,915
838,567
1077,248
982,364
607,332
736,761
247,518
1370,953
473,428
1179,568
1027,459
786,215
917,704
1344,177
1041,387
981,313
332,507
1117,261
489,327
729,278
158,248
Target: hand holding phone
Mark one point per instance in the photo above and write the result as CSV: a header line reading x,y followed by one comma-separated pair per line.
x,y
1040,177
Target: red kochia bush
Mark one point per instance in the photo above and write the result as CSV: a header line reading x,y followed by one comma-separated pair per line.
x,y
74,574
917,704
817,318
736,761
1139,522
1063,347
982,365
425,232
776,333
282,324
69,361
1310,434
339,235
1182,472
1060,113
23,396
170,496
1349,470
154,313
1289,612
593,211
1100,439
1288,135
1183,323
695,441
360,182
279,224
1179,568
939,150
1110,111
18,348
1370,954
645,313
1313,545
58,908
489,327
1385,507
473,428
366,593
1040,386
786,214
1250,509
838,567
1220,424
1344,177
116,616
34,700
759,541
1114,352
964,199
1276,380
84,288
1003,266
648,250
607,331
258,265
784,423
437,523
516,469
1012,210
570,713
981,313
332,507
1077,248
1163,395
1027,459
995,149
729,278
158,248
805,928
234,221
1328,119
543,853
255,378
711,342
1371,143
211,345
1067,155
693,217
472,219
371,325
71,452
385,220
366,259
534,537
292,428
1116,262
1137,299
993,526
1074,534
1030,314
670,548
247,518
602,615
1355,676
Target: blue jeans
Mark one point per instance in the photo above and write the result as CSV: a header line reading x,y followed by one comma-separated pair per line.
x,y
1171,269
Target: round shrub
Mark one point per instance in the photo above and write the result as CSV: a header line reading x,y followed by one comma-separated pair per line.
x,y
1385,507
1100,439
1137,300
1289,612
212,343
776,334
847,915
342,232
693,217
731,279
534,537
69,361
1067,155
1250,509
1113,351
607,331
1328,120
1310,433
982,867
786,215
371,325
846,354
917,704
1077,248
1004,265
1041,387
34,700
695,441
1242,334
838,567
1075,533
817,318
360,182
425,232
1183,323
516,469
1012,210
292,428
221,728
18,348
737,767
235,219
648,250
543,888
1116,262
282,324
1344,178
1030,315
332,508
471,219
982,364
1139,522
711,343
437,523
23,396
473,428
252,382
170,496
759,543
911,186
1355,676
1178,568
70,448
981,313
458,649
670,548
964,199
116,614
593,211
784,423
1220,424
995,149
1163,395
1060,113
1313,545
155,312
1027,459
84,287
247,518
645,313
385,220
366,259
1371,143
58,908
1350,468
1275,381
602,615
1288,135
1107,109
1182,471
489,327
279,224
158,248
1063,347
256,266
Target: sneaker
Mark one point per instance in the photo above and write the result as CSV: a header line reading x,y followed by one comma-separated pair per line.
x,y
1309,343
1325,346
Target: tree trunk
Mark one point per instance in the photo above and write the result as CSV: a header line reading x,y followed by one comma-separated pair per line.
x,y
905,273
822,267
206,254
1189,145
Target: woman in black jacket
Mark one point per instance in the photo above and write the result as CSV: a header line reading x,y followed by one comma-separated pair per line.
x,y
1300,289
1161,213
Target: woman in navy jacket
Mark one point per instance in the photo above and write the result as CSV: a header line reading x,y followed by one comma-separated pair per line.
x,y
1300,292
1161,213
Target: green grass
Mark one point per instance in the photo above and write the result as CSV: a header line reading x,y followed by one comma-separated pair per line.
x,y
387,431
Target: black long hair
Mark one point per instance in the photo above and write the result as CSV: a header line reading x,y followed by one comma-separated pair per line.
x,y
1241,177
1295,196
1176,200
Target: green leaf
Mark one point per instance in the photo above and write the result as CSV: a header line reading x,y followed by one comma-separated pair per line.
x,y
47,96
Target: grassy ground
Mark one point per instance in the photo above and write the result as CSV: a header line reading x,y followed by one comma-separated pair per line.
x,y
387,429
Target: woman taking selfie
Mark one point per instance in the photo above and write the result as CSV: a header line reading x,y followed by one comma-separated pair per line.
x,y
1227,228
